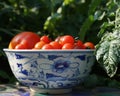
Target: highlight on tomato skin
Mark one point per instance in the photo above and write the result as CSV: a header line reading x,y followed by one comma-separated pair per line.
x,y
12,45
21,46
57,39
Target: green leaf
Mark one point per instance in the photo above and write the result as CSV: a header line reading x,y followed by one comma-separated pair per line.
x,y
117,20
102,30
86,26
107,52
89,21
51,21
99,15
94,4
67,2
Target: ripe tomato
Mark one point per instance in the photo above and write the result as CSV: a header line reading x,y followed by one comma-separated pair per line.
x,y
46,39
68,46
57,39
47,46
21,46
79,45
56,45
66,39
28,39
39,45
89,45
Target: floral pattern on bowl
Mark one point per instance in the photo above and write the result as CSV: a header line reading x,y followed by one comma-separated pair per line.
x,y
51,69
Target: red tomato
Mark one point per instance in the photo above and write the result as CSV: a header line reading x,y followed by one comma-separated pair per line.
x,y
47,46
57,39
28,39
21,46
89,45
66,39
46,39
79,45
39,45
68,46
56,45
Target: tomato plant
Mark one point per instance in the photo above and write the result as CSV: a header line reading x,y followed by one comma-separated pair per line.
x,y
24,40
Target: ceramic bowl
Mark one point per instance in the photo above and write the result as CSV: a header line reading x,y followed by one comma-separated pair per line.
x,y
50,71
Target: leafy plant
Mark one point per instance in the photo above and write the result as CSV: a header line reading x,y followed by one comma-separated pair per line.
x,y
108,49
72,17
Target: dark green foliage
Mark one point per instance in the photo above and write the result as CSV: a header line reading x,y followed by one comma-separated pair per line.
x,y
72,17
107,50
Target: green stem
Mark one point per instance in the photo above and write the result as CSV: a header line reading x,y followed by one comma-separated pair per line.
x,y
89,21
85,27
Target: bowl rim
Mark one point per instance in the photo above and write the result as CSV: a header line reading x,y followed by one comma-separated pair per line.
x,y
49,50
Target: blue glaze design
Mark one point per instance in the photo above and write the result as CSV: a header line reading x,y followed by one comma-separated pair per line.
x,y
59,66
81,57
21,70
50,76
41,56
52,57
18,56
34,64
47,70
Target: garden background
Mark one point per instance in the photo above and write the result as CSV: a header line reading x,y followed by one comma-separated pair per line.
x,y
85,19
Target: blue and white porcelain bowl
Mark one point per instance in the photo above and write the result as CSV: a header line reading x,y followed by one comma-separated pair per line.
x,y
45,70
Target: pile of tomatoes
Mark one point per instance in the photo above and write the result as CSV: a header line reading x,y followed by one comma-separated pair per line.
x,y
31,40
